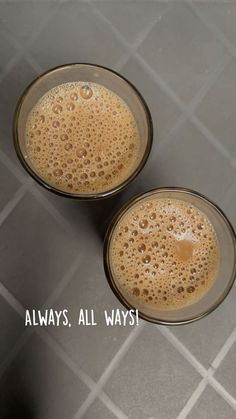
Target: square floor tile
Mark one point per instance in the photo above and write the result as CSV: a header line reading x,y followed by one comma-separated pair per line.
x,y
211,405
163,111
218,108
226,373
11,87
38,384
153,379
7,50
190,161
76,34
11,326
21,19
222,15
98,411
91,347
182,51
9,186
131,17
206,337
36,253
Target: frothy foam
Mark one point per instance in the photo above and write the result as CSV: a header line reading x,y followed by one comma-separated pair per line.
x,y
164,253
82,138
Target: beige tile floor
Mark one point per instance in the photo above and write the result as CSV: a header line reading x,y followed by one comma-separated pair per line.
x,y
182,57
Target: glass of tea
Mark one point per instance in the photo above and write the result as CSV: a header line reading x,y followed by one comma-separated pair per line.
x,y
82,131
170,253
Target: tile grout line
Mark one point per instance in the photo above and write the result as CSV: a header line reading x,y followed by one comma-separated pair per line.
x,y
213,29
193,118
17,306
195,102
229,193
224,350
12,354
152,72
5,160
206,374
83,376
222,391
134,46
170,93
218,70
214,141
183,350
33,63
109,370
51,209
112,406
12,203
131,48
29,184
179,123
193,399
21,50
9,66
11,300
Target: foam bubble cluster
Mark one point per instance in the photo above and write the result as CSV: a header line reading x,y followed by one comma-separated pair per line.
x,y
164,253
82,138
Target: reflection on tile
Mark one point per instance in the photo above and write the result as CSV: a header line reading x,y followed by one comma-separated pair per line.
x,y
163,111
131,17
143,380
39,384
189,160
9,185
98,411
205,337
36,253
211,405
226,373
182,51
76,34
91,347
218,108
222,15
11,326
21,19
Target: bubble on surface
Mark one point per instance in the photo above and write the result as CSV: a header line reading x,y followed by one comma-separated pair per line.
x,y
92,139
81,152
86,92
143,223
163,261
146,259
142,248
57,109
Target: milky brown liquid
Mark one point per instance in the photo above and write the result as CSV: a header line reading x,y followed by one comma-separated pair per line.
x,y
82,138
164,254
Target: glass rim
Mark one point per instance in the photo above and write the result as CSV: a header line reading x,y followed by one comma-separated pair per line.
x,y
80,196
106,257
